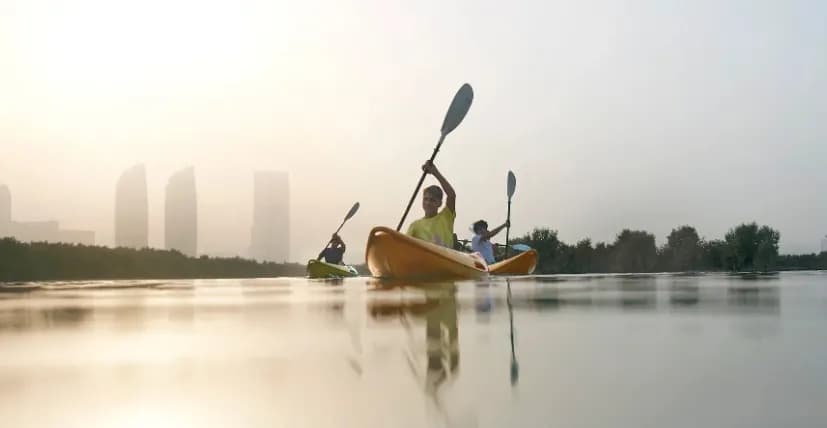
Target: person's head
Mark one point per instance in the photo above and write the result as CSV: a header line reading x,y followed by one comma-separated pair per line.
x,y
480,226
431,200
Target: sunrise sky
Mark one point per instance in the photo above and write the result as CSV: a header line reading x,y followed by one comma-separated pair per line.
x,y
612,114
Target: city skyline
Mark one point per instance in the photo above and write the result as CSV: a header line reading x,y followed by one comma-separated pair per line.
x,y
50,231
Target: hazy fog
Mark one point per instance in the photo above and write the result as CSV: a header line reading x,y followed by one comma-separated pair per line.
x,y
638,114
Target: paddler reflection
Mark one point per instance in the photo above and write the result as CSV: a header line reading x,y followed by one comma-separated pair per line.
x,y
436,303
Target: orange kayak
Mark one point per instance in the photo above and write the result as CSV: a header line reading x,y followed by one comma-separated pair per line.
x,y
391,254
521,264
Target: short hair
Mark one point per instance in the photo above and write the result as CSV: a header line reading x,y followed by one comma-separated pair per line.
x,y
433,190
479,225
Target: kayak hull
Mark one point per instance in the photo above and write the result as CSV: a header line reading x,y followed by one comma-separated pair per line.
x,y
394,255
320,269
521,264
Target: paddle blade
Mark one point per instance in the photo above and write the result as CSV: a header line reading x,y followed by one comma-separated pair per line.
x,y
521,247
352,211
515,373
512,184
459,108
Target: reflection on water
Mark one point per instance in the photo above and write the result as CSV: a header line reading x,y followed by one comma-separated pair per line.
x,y
436,304
22,319
579,350
647,293
515,367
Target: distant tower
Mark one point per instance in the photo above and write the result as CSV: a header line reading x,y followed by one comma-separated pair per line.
x,y
5,211
131,210
181,213
270,235
824,244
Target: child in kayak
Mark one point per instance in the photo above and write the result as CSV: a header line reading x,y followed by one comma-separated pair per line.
x,y
481,242
335,250
437,226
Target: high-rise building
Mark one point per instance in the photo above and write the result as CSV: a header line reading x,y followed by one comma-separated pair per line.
x,y
5,211
270,234
824,244
181,213
131,209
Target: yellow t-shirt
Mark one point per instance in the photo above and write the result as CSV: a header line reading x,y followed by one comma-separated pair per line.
x,y
438,229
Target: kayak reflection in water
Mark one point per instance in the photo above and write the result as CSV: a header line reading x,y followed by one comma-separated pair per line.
x,y
335,250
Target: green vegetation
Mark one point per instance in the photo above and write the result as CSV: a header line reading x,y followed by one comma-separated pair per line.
x,y
41,261
746,247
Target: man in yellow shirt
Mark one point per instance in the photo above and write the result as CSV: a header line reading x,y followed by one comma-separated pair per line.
x,y
436,226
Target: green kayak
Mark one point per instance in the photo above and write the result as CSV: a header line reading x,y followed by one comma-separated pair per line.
x,y
320,269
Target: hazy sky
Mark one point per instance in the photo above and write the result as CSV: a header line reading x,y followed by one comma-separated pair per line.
x,y
612,114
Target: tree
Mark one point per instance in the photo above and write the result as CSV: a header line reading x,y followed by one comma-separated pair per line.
x,y
545,241
715,255
742,241
634,251
683,250
39,261
583,255
767,251
601,257
753,247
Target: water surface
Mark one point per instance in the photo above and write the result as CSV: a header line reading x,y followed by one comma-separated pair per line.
x,y
588,351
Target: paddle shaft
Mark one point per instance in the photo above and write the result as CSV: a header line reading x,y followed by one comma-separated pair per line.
x,y
508,229
515,247
340,227
419,185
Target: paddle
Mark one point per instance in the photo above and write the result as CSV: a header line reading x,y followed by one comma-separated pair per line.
x,y
515,368
521,247
517,247
511,186
456,112
347,217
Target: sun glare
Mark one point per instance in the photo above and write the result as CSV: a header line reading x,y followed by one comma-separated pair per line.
x,y
95,46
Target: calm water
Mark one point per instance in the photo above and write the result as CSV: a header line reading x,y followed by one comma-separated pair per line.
x,y
589,351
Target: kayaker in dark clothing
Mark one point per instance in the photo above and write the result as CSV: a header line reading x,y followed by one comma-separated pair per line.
x,y
335,250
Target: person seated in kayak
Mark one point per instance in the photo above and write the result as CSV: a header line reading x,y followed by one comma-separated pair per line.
x,y
481,242
437,226
334,251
